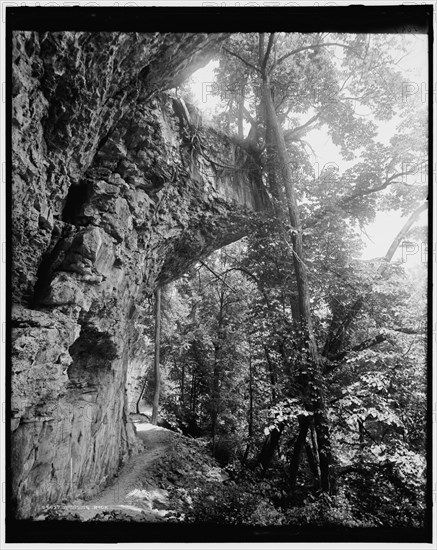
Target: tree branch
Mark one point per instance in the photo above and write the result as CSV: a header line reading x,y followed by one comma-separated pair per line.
x,y
366,344
252,276
249,117
288,135
406,330
219,277
247,63
312,47
394,246
381,187
357,194
269,47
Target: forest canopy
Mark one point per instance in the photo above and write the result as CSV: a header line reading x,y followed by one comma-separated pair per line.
x,y
302,364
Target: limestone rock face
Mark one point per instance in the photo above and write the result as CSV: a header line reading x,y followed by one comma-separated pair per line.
x,y
113,194
69,90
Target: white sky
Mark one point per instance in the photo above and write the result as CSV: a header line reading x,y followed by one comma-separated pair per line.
x,y
386,225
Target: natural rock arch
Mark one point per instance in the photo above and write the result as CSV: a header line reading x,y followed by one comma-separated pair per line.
x,y
112,195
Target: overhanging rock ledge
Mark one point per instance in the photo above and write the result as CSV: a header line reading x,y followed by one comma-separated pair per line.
x,y
113,193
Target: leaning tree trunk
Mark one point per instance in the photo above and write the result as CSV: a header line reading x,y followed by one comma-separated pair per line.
x,y
143,387
268,449
309,375
342,320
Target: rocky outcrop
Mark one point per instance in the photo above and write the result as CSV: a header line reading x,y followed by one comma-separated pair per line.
x,y
114,192
69,90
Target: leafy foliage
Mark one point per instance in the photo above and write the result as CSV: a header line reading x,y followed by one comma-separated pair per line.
x,y
237,369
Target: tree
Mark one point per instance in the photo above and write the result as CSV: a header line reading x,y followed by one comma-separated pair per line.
x,y
266,61
308,359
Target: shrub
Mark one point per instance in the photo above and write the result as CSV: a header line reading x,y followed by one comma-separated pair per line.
x,y
232,505
325,511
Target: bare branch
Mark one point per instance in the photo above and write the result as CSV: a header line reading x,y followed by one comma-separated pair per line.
x,y
344,83
219,277
400,59
305,143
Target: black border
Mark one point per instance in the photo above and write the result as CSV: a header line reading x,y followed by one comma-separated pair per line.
x,y
354,19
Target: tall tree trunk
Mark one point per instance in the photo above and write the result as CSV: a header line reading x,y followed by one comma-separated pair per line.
x,y
215,393
193,394
361,438
309,375
275,189
240,100
250,426
272,373
215,403
143,387
304,423
250,415
182,400
270,444
313,464
157,346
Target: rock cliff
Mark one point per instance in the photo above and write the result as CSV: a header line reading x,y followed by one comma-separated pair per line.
x,y
114,192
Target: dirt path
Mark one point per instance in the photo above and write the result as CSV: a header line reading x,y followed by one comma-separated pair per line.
x,y
157,484
130,492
